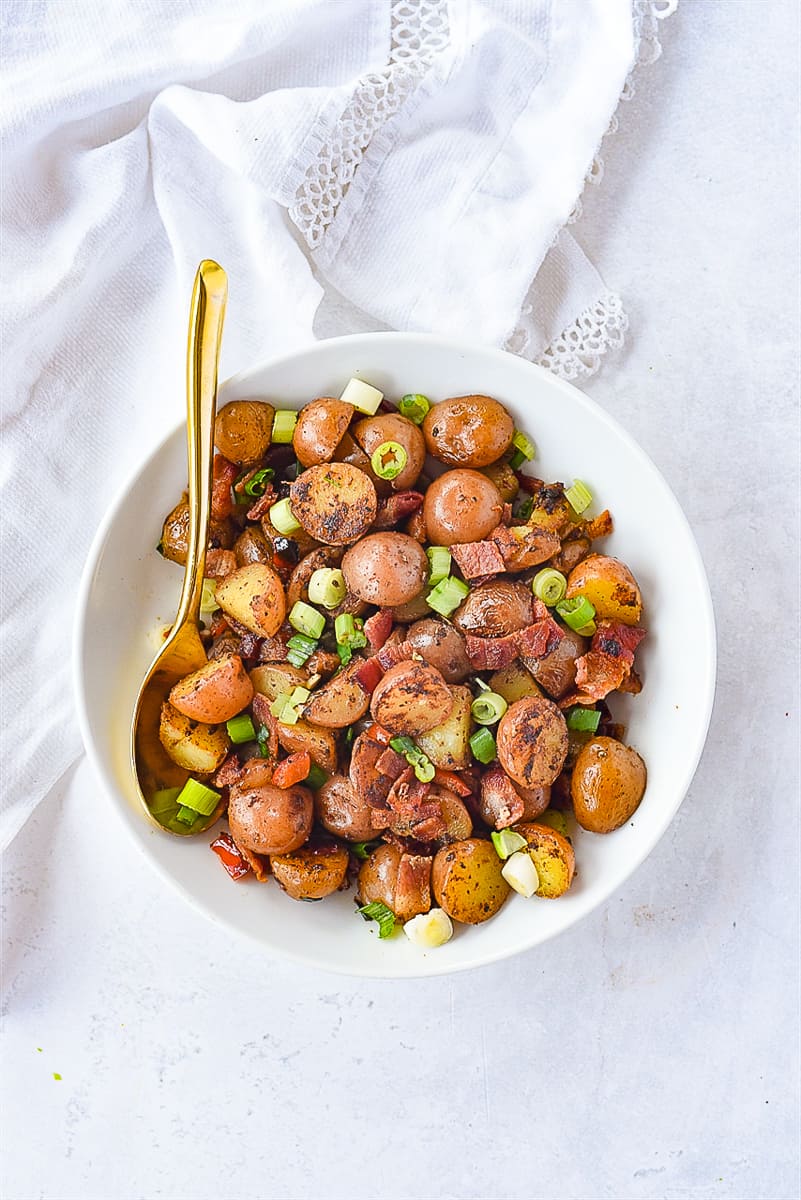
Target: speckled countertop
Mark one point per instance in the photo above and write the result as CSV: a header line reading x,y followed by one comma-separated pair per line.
x,y
651,1052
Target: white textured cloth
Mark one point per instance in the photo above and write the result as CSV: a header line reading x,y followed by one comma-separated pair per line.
x,y
419,157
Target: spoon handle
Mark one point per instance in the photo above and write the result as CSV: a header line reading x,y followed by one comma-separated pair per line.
x,y
209,296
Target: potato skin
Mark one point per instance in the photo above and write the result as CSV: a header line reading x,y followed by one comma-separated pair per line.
x,y
399,880
252,546
254,596
495,609
467,881
447,745
556,672
340,702
334,502
243,430
304,736
461,506
442,647
553,857
468,431
385,569
514,683
532,742
610,588
504,478
454,813
193,745
391,427
414,610
311,872
607,785
275,679
344,812
321,426
411,699
175,533
215,693
270,820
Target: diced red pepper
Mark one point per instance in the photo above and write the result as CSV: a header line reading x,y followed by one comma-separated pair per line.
x,y
294,768
453,782
378,628
229,855
369,675
379,734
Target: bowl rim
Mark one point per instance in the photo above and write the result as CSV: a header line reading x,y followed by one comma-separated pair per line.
x,y
81,632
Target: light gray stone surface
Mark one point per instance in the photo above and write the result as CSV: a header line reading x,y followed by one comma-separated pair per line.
x,y
650,1053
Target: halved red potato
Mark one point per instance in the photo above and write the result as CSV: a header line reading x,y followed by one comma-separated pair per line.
x,y
215,693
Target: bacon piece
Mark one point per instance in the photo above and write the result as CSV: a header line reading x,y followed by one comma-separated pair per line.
x,y
396,652
413,885
499,799
412,813
632,683
453,782
223,475
229,773
599,527
378,628
506,515
617,640
596,676
219,624
539,639
230,856
477,559
263,504
364,774
369,675
391,763
273,649
250,645
489,654
396,507
219,563
533,547
260,707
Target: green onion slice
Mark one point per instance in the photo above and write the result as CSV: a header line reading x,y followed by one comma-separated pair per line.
x,y
240,729
349,631
284,423
578,496
257,484
164,802
306,620
388,460
262,737
327,587
363,850
282,517
549,586
524,444
583,720
424,769
383,915
488,708
482,744
439,564
507,842
447,596
300,649
578,613
403,745
197,797
208,597
517,460
315,778
414,407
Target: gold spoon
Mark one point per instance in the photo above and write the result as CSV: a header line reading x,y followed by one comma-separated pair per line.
x,y
183,650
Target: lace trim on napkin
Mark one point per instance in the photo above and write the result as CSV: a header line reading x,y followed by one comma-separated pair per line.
x,y
419,30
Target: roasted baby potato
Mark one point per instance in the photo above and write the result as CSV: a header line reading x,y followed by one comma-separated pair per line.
x,y
344,811
340,702
556,672
320,428
532,742
504,478
550,510
552,855
334,502
252,546
400,881
175,533
607,785
442,647
276,679
312,871
459,824
495,609
318,742
411,699
391,427
405,614
243,429
254,596
447,745
502,803
268,819
467,881
385,569
468,431
195,746
215,693
514,683
610,588
461,506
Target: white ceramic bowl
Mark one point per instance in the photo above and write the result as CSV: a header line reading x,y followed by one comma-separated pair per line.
x,y
129,592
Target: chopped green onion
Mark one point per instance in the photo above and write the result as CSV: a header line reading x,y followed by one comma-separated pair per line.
x,y
380,913
345,654
363,850
578,496
186,816
284,423
424,769
197,797
299,696
522,508
348,632
447,595
257,484
549,586
350,735
315,778
362,396
507,842
262,737
282,517
488,708
306,619
439,564
481,685
414,407
208,597
300,649
555,819
578,613
164,802
524,444
240,729
482,743
584,720
327,587
517,460
388,460
403,745
281,708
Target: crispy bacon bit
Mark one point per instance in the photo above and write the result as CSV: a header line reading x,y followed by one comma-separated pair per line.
x,y
369,675
391,763
363,773
477,559
219,563
631,684
223,475
230,856
499,798
617,640
413,882
219,624
599,527
228,773
378,628
379,734
539,639
263,504
607,665
490,654
453,782
532,547
272,649
250,645
506,515
396,652
413,815
397,507
256,863
262,716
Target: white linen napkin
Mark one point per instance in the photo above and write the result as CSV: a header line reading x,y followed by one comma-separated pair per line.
x,y
420,157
